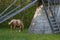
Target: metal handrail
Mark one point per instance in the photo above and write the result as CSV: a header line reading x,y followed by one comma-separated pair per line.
x,y
18,11
10,12
8,8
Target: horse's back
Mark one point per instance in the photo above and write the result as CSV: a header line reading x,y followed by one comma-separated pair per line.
x,y
18,22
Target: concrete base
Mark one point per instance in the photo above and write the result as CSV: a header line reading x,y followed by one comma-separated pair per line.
x,y
40,24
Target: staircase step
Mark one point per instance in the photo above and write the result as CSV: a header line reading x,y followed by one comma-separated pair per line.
x,y
52,20
55,26
53,23
51,17
57,32
56,29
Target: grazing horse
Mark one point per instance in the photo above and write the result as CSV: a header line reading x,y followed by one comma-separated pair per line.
x,y
16,22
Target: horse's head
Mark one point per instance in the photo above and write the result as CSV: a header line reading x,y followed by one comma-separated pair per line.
x,y
9,23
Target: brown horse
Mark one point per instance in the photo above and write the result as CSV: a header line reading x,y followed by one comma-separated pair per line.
x,y
16,22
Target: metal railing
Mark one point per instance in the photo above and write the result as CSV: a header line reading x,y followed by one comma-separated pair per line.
x,y
8,8
10,12
17,12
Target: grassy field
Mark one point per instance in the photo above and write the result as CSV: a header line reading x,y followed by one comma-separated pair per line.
x,y
7,34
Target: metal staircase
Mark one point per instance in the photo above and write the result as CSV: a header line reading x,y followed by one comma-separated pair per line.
x,y
54,25
52,21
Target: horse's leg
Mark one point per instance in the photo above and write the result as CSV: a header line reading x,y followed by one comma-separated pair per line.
x,y
14,26
21,28
11,27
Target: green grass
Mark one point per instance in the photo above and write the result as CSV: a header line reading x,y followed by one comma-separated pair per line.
x,y
7,34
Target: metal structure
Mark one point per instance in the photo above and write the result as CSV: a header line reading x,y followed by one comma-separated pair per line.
x,y
9,15
8,8
51,14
